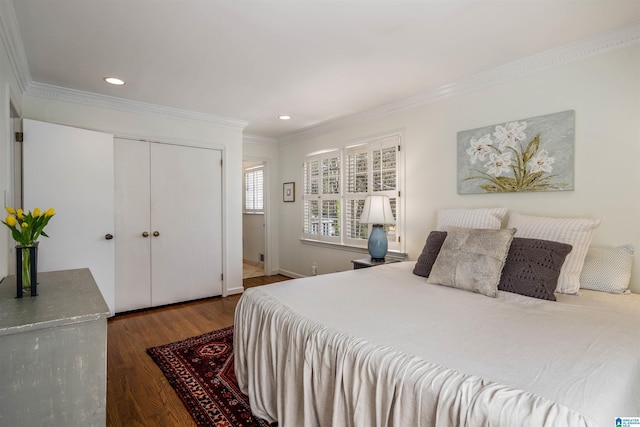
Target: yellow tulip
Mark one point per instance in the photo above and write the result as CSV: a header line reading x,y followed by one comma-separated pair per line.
x,y
20,214
24,225
10,210
50,212
11,221
36,212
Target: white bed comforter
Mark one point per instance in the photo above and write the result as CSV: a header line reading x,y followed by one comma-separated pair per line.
x,y
380,347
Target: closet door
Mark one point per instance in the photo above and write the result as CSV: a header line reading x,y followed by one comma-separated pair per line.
x,y
132,210
186,223
71,170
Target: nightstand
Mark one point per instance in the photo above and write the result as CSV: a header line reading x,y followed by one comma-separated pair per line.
x,y
368,262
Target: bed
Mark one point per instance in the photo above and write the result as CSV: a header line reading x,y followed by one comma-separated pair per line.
x,y
383,347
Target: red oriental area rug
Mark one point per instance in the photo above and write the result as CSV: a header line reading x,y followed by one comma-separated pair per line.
x,y
200,369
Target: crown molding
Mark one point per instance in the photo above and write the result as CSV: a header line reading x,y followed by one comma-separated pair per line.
x,y
12,41
110,102
562,55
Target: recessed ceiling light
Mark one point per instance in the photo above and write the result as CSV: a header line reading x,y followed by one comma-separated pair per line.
x,y
284,117
114,81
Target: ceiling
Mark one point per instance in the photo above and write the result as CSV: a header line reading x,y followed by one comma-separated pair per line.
x,y
316,60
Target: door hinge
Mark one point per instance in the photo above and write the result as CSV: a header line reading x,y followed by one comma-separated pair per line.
x,y
19,136
222,276
398,148
399,239
220,162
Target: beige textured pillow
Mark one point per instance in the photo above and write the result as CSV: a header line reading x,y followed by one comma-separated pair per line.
x,y
472,259
576,232
470,218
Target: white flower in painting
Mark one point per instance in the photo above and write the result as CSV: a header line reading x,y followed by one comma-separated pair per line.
x,y
498,164
542,162
509,134
479,148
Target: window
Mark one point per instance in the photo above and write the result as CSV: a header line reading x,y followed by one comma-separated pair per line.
x,y
322,197
336,184
253,189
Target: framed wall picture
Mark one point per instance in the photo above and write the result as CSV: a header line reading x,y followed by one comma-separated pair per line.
x,y
534,154
289,192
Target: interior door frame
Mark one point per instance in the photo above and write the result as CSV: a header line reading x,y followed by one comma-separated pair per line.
x,y
266,200
227,271
13,195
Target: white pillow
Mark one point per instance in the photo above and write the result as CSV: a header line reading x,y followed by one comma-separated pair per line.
x,y
607,269
470,218
576,232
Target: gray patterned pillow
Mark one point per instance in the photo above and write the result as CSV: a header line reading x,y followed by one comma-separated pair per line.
x,y
533,266
472,259
429,253
607,269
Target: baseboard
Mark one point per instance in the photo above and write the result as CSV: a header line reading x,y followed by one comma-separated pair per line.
x,y
233,291
254,263
290,274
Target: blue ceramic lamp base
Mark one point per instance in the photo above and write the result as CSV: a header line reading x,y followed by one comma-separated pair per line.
x,y
377,243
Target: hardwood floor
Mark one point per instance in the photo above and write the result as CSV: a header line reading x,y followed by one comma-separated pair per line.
x,y
138,394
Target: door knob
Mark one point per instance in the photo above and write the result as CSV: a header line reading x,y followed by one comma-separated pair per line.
x,y
108,236
145,234
156,233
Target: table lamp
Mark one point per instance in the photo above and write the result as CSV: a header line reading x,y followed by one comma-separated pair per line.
x,y
377,211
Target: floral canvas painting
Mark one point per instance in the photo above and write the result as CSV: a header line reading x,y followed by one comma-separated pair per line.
x,y
534,154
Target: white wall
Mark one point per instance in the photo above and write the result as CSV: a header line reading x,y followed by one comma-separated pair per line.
x,y
196,133
603,90
266,150
253,243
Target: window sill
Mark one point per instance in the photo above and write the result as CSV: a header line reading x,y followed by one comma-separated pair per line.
x,y
348,248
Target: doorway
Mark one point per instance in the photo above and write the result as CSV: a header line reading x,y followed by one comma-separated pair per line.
x,y
254,212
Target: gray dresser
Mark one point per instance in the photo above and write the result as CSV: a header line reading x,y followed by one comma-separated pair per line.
x,y
53,352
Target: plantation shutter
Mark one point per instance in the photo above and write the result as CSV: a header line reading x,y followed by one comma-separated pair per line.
x,y
370,168
321,198
254,189
357,168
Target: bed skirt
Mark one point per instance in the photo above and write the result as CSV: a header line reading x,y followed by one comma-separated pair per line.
x,y
301,373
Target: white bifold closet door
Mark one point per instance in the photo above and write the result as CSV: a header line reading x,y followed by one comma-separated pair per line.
x,y
133,213
168,223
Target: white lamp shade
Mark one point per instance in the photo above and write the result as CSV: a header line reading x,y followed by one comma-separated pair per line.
x,y
377,210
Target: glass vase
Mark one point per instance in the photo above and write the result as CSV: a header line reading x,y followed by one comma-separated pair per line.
x,y
26,271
